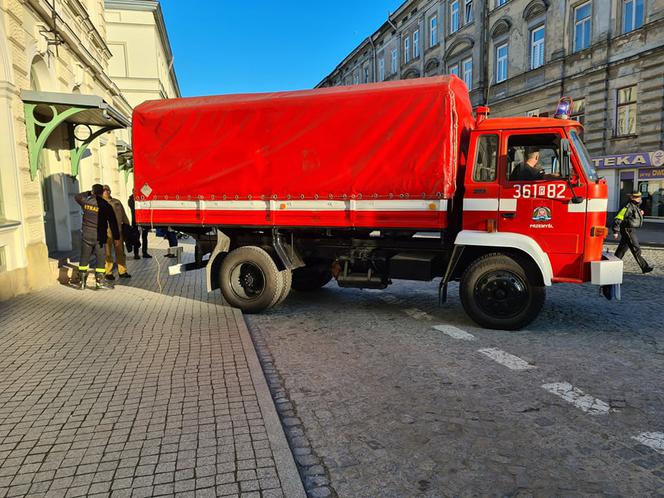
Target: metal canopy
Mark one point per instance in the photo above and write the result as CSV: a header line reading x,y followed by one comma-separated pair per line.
x,y
45,111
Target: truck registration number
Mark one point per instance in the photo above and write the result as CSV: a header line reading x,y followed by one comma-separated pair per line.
x,y
549,190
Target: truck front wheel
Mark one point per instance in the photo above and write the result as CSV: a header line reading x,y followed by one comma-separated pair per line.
x,y
250,280
497,294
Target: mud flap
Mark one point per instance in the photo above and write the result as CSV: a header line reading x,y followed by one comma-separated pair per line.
x,y
611,291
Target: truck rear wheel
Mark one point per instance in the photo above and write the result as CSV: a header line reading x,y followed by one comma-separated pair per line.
x,y
287,280
310,278
250,280
497,294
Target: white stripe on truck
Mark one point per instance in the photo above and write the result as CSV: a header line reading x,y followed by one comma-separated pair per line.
x,y
436,205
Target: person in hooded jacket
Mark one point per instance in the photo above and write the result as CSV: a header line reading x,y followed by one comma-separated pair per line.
x,y
98,219
628,219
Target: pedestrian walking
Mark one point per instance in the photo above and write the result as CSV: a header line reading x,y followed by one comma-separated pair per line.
x,y
628,219
123,223
142,228
98,222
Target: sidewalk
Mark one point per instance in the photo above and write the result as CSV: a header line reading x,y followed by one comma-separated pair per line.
x,y
136,392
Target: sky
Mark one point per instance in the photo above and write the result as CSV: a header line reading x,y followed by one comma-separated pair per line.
x,y
231,46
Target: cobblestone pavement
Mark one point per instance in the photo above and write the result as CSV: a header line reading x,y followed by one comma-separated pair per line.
x,y
394,407
133,392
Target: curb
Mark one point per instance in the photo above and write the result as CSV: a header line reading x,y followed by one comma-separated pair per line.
x,y
291,484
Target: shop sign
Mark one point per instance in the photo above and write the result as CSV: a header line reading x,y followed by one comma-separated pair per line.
x,y
636,160
651,174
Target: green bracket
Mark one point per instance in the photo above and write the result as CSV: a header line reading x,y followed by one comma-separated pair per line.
x,y
37,139
77,152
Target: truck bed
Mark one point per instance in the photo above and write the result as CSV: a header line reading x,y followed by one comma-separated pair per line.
x,y
367,156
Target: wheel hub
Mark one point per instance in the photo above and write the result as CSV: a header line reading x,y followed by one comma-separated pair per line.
x,y
501,294
251,280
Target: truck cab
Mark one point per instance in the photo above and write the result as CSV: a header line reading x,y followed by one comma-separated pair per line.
x,y
530,189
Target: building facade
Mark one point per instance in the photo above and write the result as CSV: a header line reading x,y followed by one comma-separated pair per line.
x,y
520,56
62,119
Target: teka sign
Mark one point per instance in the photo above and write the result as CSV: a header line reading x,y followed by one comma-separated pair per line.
x,y
636,160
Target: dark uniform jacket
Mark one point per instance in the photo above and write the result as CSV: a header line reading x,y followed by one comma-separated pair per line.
x,y
98,215
628,217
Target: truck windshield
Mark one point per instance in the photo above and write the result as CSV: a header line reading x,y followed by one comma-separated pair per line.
x,y
583,155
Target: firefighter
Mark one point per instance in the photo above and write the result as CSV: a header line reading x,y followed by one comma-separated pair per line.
x,y
123,223
628,219
98,218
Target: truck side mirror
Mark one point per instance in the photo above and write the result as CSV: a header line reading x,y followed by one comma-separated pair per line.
x,y
564,158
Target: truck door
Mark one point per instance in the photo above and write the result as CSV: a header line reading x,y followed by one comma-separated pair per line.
x,y
481,197
542,206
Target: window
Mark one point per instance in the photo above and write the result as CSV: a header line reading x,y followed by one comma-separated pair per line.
x,y
454,70
533,114
416,44
3,259
537,47
433,31
366,75
486,159
632,15
454,16
406,50
626,115
582,20
467,66
381,69
356,79
468,11
533,157
2,203
579,110
395,59
500,2
501,62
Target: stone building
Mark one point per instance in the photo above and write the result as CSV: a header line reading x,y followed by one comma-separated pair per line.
x,y
521,56
62,118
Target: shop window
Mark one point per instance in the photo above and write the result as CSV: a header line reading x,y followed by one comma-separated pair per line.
x,y
653,197
582,24
486,160
626,112
579,110
633,15
537,47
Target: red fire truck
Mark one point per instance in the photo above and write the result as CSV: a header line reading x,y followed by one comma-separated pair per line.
x,y
372,183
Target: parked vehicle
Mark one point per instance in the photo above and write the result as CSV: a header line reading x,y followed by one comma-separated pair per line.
x,y
291,190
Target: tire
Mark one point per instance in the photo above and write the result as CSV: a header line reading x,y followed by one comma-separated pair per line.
x,y
287,280
310,278
496,293
250,280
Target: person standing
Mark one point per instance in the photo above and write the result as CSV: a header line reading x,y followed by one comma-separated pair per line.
x,y
98,222
628,219
172,238
144,230
120,257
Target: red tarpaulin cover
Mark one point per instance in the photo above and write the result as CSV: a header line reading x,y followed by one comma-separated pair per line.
x,y
396,140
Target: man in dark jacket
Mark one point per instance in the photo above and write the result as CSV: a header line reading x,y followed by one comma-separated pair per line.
x,y
144,230
98,217
628,219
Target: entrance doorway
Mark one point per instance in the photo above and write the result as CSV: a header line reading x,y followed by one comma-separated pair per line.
x,y
627,179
